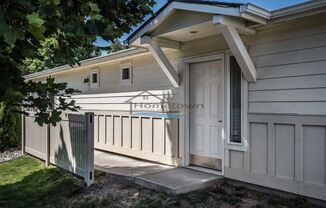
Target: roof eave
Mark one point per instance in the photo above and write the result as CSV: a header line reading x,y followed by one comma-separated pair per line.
x,y
86,63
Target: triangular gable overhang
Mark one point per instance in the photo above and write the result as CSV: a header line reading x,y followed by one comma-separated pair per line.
x,y
226,19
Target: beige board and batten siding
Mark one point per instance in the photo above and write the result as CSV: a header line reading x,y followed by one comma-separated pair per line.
x,y
142,136
287,111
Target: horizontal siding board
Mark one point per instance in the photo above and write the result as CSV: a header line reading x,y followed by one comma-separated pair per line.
x,y
304,108
294,95
149,99
284,31
120,101
125,94
314,81
298,43
300,56
300,69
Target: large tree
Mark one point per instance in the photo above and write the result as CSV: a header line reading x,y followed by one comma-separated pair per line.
x,y
46,56
25,24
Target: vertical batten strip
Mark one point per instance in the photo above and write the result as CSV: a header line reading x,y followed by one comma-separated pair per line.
x,y
141,133
105,130
246,156
298,174
151,130
121,131
271,148
131,143
164,135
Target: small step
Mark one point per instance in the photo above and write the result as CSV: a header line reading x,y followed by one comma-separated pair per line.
x,y
179,181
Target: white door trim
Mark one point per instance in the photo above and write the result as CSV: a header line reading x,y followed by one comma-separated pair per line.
x,y
184,98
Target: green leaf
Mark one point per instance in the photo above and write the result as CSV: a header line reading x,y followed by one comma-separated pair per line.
x,y
12,35
96,17
36,25
94,7
56,2
35,20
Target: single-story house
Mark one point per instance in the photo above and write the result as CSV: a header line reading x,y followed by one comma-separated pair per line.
x,y
232,88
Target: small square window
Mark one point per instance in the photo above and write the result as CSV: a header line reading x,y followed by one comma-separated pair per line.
x,y
125,74
94,78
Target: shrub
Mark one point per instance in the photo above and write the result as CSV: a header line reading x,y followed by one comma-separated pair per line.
x,y
10,127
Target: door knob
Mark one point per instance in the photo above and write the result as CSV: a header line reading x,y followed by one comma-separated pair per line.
x,y
220,121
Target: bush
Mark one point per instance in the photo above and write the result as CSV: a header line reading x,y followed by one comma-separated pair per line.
x,y
10,127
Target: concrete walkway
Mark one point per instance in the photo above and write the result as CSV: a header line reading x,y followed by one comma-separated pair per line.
x,y
155,176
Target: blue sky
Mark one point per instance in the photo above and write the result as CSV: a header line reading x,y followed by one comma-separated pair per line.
x,y
267,4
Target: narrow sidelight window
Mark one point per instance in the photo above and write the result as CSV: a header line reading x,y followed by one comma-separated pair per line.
x,y
235,101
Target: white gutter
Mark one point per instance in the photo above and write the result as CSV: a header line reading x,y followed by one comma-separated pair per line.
x,y
298,11
255,10
97,60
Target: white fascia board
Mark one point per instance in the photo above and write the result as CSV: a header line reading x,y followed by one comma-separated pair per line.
x,y
166,13
86,63
170,9
205,8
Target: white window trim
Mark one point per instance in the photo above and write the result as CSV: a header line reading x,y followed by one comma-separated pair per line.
x,y
243,146
97,84
126,81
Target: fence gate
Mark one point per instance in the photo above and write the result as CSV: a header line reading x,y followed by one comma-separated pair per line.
x,y
69,144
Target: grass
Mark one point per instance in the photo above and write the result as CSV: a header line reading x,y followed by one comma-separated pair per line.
x,y
26,182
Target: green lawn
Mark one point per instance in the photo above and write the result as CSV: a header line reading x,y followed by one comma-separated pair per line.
x,y
26,182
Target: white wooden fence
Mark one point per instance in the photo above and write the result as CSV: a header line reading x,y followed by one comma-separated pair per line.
x,y
69,144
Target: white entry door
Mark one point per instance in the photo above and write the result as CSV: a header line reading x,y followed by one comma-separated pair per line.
x,y
207,113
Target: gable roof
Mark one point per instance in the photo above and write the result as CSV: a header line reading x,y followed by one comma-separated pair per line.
x,y
248,11
204,6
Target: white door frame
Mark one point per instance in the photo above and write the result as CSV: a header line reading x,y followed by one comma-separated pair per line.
x,y
184,98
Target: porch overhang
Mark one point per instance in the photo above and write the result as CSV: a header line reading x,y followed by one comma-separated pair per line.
x,y
172,26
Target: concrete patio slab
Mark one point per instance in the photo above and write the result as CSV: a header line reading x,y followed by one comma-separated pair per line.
x,y
155,176
126,167
180,180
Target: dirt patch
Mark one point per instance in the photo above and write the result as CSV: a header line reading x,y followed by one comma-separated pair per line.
x,y
109,191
